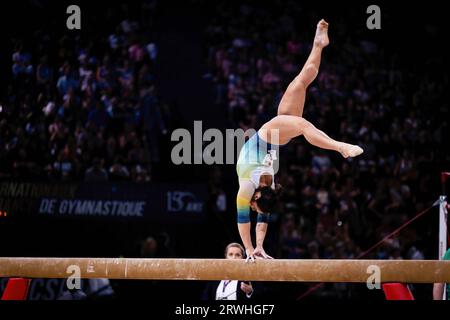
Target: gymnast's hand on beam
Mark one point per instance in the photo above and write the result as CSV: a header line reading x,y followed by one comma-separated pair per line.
x,y
250,255
259,253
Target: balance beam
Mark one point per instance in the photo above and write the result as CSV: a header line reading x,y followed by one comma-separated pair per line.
x,y
405,271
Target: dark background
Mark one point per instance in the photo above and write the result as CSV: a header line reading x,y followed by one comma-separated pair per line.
x,y
415,33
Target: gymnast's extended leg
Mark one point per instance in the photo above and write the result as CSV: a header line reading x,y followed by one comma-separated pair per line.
x,y
282,129
289,123
293,100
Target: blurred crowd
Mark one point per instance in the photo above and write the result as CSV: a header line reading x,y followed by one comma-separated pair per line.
x,y
83,106
332,207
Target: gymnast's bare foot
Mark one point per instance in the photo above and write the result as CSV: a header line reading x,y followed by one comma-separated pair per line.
x,y
321,39
349,150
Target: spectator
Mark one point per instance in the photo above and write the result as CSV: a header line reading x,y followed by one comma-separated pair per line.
x,y
230,289
96,173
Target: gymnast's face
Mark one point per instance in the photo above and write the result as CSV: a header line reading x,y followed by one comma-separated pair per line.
x,y
253,203
234,253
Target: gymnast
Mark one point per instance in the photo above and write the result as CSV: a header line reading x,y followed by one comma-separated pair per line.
x,y
255,171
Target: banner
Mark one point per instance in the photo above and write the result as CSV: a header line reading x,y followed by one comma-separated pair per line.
x,y
55,289
163,202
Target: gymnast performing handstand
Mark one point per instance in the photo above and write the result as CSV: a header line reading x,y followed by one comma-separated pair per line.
x,y
255,163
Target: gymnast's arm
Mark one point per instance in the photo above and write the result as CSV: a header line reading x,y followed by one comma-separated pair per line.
x,y
261,230
245,194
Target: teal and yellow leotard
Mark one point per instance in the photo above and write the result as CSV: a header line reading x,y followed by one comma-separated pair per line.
x,y
255,159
